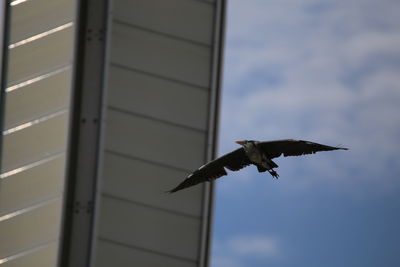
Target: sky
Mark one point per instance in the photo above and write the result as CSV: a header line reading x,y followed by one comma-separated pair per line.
x,y
324,71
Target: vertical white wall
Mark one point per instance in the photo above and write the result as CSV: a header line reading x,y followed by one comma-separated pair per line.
x,y
35,130
157,130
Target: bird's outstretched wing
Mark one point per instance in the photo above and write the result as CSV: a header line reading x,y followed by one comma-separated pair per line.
x,y
291,147
212,170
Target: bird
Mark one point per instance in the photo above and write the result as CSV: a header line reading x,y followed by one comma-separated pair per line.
x,y
258,153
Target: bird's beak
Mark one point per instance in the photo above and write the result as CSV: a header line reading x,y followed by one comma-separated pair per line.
x,y
240,142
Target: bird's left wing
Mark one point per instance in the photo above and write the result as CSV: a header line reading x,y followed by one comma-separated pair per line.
x,y
291,147
214,169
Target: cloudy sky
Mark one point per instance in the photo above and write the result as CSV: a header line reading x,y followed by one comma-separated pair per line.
x,y
326,71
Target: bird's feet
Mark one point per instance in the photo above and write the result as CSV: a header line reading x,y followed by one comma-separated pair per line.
x,y
273,173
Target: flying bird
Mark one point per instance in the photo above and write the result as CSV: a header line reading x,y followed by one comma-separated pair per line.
x,y
253,152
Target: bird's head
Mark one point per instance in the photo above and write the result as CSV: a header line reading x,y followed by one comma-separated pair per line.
x,y
245,142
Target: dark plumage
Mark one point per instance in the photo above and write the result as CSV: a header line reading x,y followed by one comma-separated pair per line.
x,y
252,152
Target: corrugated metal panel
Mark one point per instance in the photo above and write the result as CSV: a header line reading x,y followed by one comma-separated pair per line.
x,y
156,141
160,55
40,56
37,183
46,96
29,229
154,230
35,130
159,98
37,16
45,256
144,182
36,142
158,129
190,20
117,254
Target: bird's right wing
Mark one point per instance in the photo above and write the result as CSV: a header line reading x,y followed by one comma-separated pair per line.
x,y
214,169
291,147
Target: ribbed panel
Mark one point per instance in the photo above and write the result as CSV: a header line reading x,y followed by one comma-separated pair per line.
x,y
40,56
189,20
156,132
47,95
29,228
160,55
156,97
35,131
37,16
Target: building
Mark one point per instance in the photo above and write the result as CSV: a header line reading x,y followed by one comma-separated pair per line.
x,y
106,105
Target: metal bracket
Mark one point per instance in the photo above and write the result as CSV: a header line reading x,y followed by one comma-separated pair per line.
x,y
87,207
85,138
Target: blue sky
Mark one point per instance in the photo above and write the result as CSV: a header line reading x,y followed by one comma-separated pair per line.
x,y
324,71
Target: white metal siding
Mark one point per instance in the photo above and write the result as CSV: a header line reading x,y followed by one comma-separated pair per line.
x,y
43,256
38,99
160,55
159,98
31,228
152,229
32,186
169,17
34,143
35,131
155,141
37,16
156,132
40,56
117,254
144,182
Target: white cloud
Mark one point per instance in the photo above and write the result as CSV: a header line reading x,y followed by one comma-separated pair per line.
x,y
223,261
327,72
255,245
236,249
